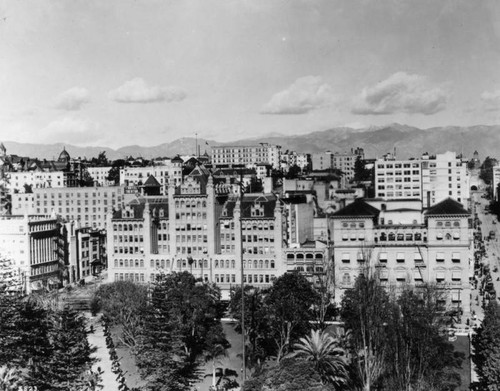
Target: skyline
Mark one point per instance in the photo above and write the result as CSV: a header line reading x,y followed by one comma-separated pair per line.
x,y
122,73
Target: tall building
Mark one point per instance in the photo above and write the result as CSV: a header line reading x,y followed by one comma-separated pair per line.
x,y
430,178
342,161
32,242
198,229
495,181
87,205
100,175
403,244
247,155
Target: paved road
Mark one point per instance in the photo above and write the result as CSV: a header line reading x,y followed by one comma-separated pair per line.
x,y
98,340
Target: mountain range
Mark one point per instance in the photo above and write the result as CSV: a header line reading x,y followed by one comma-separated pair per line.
x,y
406,141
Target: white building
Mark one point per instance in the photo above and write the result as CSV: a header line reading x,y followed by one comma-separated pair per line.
x,y
36,179
430,179
496,181
100,175
136,176
401,244
87,205
342,161
247,155
32,242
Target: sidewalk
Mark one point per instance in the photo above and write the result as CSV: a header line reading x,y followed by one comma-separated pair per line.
x,y
98,340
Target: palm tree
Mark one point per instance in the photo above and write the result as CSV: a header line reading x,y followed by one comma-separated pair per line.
x,y
10,379
325,352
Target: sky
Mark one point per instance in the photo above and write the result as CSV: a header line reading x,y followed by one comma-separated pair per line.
x,y
122,72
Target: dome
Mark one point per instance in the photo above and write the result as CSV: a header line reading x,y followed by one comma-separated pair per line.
x,y
64,156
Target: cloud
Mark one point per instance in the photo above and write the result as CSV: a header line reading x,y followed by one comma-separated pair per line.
x,y
72,99
490,101
137,91
72,130
401,93
305,94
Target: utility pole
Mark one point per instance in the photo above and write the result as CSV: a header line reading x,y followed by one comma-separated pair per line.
x,y
242,280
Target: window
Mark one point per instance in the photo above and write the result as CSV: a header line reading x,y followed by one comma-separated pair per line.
x,y
455,257
400,257
439,257
382,257
384,275
417,275
346,279
440,276
400,275
346,258
456,275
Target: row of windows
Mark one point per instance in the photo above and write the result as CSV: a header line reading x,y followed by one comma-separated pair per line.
x,y
127,227
404,276
398,165
128,250
190,204
36,271
401,257
191,250
299,256
128,238
255,238
129,263
191,227
135,277
258,226
259,250
258,278
191,216
191,238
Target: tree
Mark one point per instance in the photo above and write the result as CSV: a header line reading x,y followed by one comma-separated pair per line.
x,y
87,180
417,350
360,171
70,354
258,340
216,347
486,345
160,355
290,374
182,316
293,172
486,173
365,310
122,302
10,379
328,357
289,302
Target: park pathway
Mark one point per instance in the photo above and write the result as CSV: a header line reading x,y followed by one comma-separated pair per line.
x,y
98,340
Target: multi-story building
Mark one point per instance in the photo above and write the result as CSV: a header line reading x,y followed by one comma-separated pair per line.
x,y
86,253
164,174
342,161
88,205
32,243
197,229
247,155
36,179
402,244
100,175
495,181
430,178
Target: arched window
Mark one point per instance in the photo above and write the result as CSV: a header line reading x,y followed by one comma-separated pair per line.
x,y
266,263
261,264
255,264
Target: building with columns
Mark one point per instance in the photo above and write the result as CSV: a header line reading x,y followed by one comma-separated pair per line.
x,y
403,244
32,243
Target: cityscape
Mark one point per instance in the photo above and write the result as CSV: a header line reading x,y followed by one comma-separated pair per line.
x,y
179,214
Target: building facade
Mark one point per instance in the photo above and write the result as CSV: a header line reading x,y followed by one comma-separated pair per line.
x,y
87,205
401,244
344,161
164,174
196,229
32,243
247,155
430,178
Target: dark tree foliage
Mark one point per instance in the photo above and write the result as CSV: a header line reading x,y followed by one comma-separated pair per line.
x,y
486,343
160,355
486,173
49,345
365,310
289,310
417,351
178,329
361,173
70,354
293,172
291,375
259,343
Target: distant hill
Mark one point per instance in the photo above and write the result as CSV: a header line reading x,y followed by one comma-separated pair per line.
x,y
376,141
